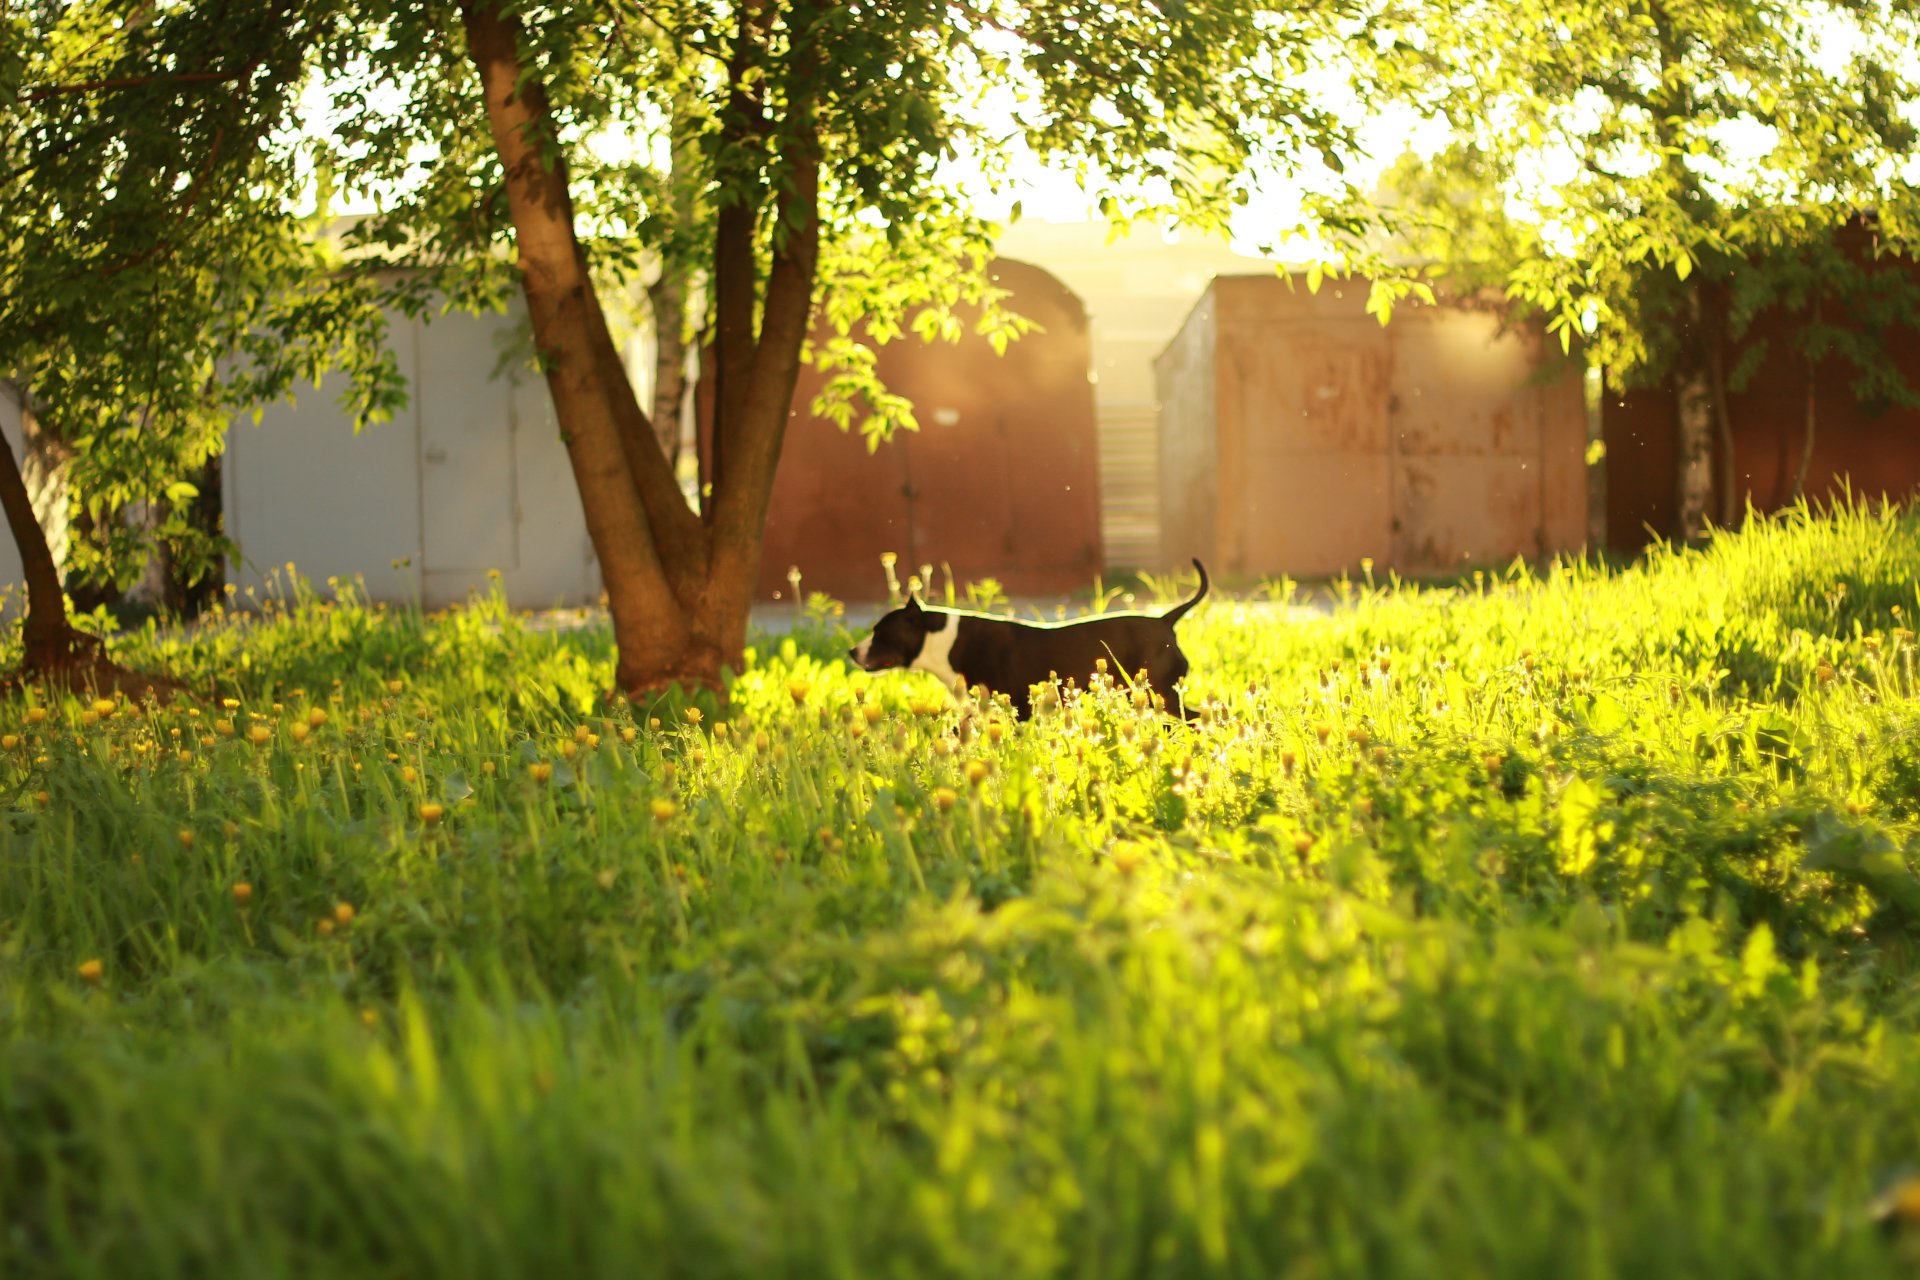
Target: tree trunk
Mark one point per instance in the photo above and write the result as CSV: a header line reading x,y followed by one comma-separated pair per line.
x,y
1693,396
1806,440
679,584
669,298
668,294
49,639
635,515
1732,497
1813,407
55,651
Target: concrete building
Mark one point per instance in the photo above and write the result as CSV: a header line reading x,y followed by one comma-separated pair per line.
x,y
1138,289
470,477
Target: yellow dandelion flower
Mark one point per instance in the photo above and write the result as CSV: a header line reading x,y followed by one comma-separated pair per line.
x,y
259,734
316,717
693,715
431,813
92,970
663,809
628,733
36,715
944,798
343,912
299,729
977,771
242,892
540,771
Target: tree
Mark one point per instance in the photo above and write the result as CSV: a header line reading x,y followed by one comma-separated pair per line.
x,y
819,152
826,141
152,277
1657,156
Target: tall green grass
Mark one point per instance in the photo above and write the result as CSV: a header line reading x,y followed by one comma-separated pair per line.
x,y
1553,925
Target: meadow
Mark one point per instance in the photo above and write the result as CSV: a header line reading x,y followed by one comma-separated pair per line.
x,y
1554,923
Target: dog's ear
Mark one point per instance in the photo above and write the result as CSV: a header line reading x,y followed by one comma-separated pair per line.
x,y
913,606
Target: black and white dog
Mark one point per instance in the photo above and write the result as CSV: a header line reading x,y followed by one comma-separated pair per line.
x,y
1011,657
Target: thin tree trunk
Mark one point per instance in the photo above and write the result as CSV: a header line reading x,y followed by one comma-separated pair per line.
x,y
1806,441
1693,395
55,651
1732,500
669,298
1813,406
49,639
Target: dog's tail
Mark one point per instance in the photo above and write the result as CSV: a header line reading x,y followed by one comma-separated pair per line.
x,y
1179,611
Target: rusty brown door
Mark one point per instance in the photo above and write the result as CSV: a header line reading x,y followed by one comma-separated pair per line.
x,y
1466,440
959,502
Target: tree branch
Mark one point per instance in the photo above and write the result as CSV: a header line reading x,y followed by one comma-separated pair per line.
x,y
742,127
40,93
751,439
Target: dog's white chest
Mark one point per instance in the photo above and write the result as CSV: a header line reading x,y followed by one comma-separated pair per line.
x,y
936,653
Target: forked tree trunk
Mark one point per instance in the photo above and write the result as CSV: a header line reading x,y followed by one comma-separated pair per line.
x,y
679,586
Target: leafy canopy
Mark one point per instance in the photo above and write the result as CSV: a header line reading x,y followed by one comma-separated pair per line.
x,y
1605,150
154,278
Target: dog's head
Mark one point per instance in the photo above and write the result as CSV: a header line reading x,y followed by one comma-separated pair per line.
x,y
898,638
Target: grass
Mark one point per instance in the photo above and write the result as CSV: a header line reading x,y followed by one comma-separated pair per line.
x,y
1557,925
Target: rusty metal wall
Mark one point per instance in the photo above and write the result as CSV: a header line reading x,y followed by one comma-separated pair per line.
x,y
1873,451
1442,440
1001,481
